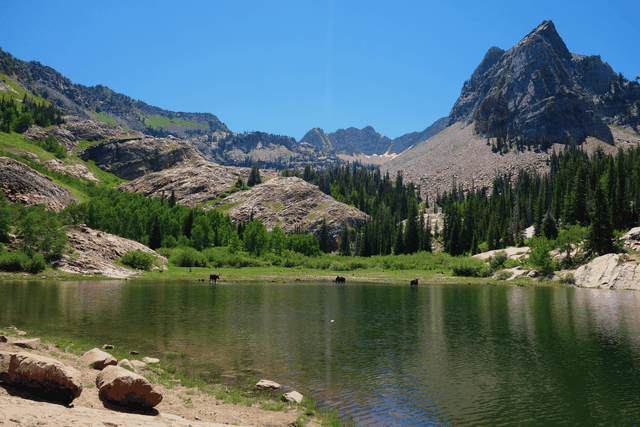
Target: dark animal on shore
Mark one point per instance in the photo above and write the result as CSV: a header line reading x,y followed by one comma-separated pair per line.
x,y
340,279
414,282
213,278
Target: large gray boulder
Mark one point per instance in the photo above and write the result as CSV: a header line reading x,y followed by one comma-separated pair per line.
x,y
632,239
124,388
611,271
98,359
44,377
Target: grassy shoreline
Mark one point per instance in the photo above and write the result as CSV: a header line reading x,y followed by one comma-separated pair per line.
x,y
285,275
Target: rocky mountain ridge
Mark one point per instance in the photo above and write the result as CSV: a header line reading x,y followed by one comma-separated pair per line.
x,y
539,91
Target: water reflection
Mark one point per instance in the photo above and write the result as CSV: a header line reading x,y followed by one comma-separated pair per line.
x,y
387,355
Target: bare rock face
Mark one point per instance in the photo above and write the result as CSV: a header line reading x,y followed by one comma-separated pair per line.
x,y
133,158
96,251
75,130
20,183
98,359
611,271
192,184
533,91
77,170
293,203
45,377
126,388
5,362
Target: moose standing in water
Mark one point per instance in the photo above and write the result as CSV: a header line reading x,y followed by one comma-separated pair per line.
x,y
414,282
340,279
213,278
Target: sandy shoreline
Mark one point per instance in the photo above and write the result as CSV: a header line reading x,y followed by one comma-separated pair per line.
x,y
180,406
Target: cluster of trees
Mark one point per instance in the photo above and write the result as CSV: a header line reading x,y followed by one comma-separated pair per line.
x,y
42,239
17,117
388,203
601,192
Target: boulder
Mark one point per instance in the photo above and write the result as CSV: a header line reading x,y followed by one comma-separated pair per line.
x,y
293,396
609,271
267,384
632,239
107,347
98,359
45,377
21,333
122,387
5,361
150,360
3,338
27,343
533,274
124,363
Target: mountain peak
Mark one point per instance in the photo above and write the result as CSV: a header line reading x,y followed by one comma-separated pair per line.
x,y
547,31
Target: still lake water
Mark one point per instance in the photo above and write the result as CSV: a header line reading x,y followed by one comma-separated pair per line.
x,y
461,355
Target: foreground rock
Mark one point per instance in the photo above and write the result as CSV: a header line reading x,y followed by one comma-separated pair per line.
x,y
611,271
96,252
192,184
267,384
44,377
20,183
98,359
292,396
293,203
125,388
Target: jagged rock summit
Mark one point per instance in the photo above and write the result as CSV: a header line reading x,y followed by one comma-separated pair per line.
x,y
536,91
293,203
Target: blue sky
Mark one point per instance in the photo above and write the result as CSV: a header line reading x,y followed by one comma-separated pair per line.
x,y
285,67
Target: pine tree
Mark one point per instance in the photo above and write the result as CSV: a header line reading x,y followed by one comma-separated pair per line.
x,y
600,238
324,237
345,244
172,199
254,176
155,238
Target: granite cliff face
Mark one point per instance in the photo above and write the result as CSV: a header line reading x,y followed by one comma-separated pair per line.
x,y
538,91
192,184
293,203
20,183
408,140
135,157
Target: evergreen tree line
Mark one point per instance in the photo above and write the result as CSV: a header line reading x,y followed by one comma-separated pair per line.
x,y
17,117
388,203
601,192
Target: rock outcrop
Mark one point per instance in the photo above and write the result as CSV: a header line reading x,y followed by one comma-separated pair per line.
x,y
96,251
133,158
98,359
293,204
20,183
611,271
192,184
632,239
76,170
44,377
76,129
122,387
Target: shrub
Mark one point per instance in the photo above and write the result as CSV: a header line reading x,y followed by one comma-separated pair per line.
x,y
470,267
503,274
138,260
568,279
497,261
188,257
14,261
37,264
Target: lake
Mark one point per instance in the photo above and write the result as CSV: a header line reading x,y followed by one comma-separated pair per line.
x,y
462,355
